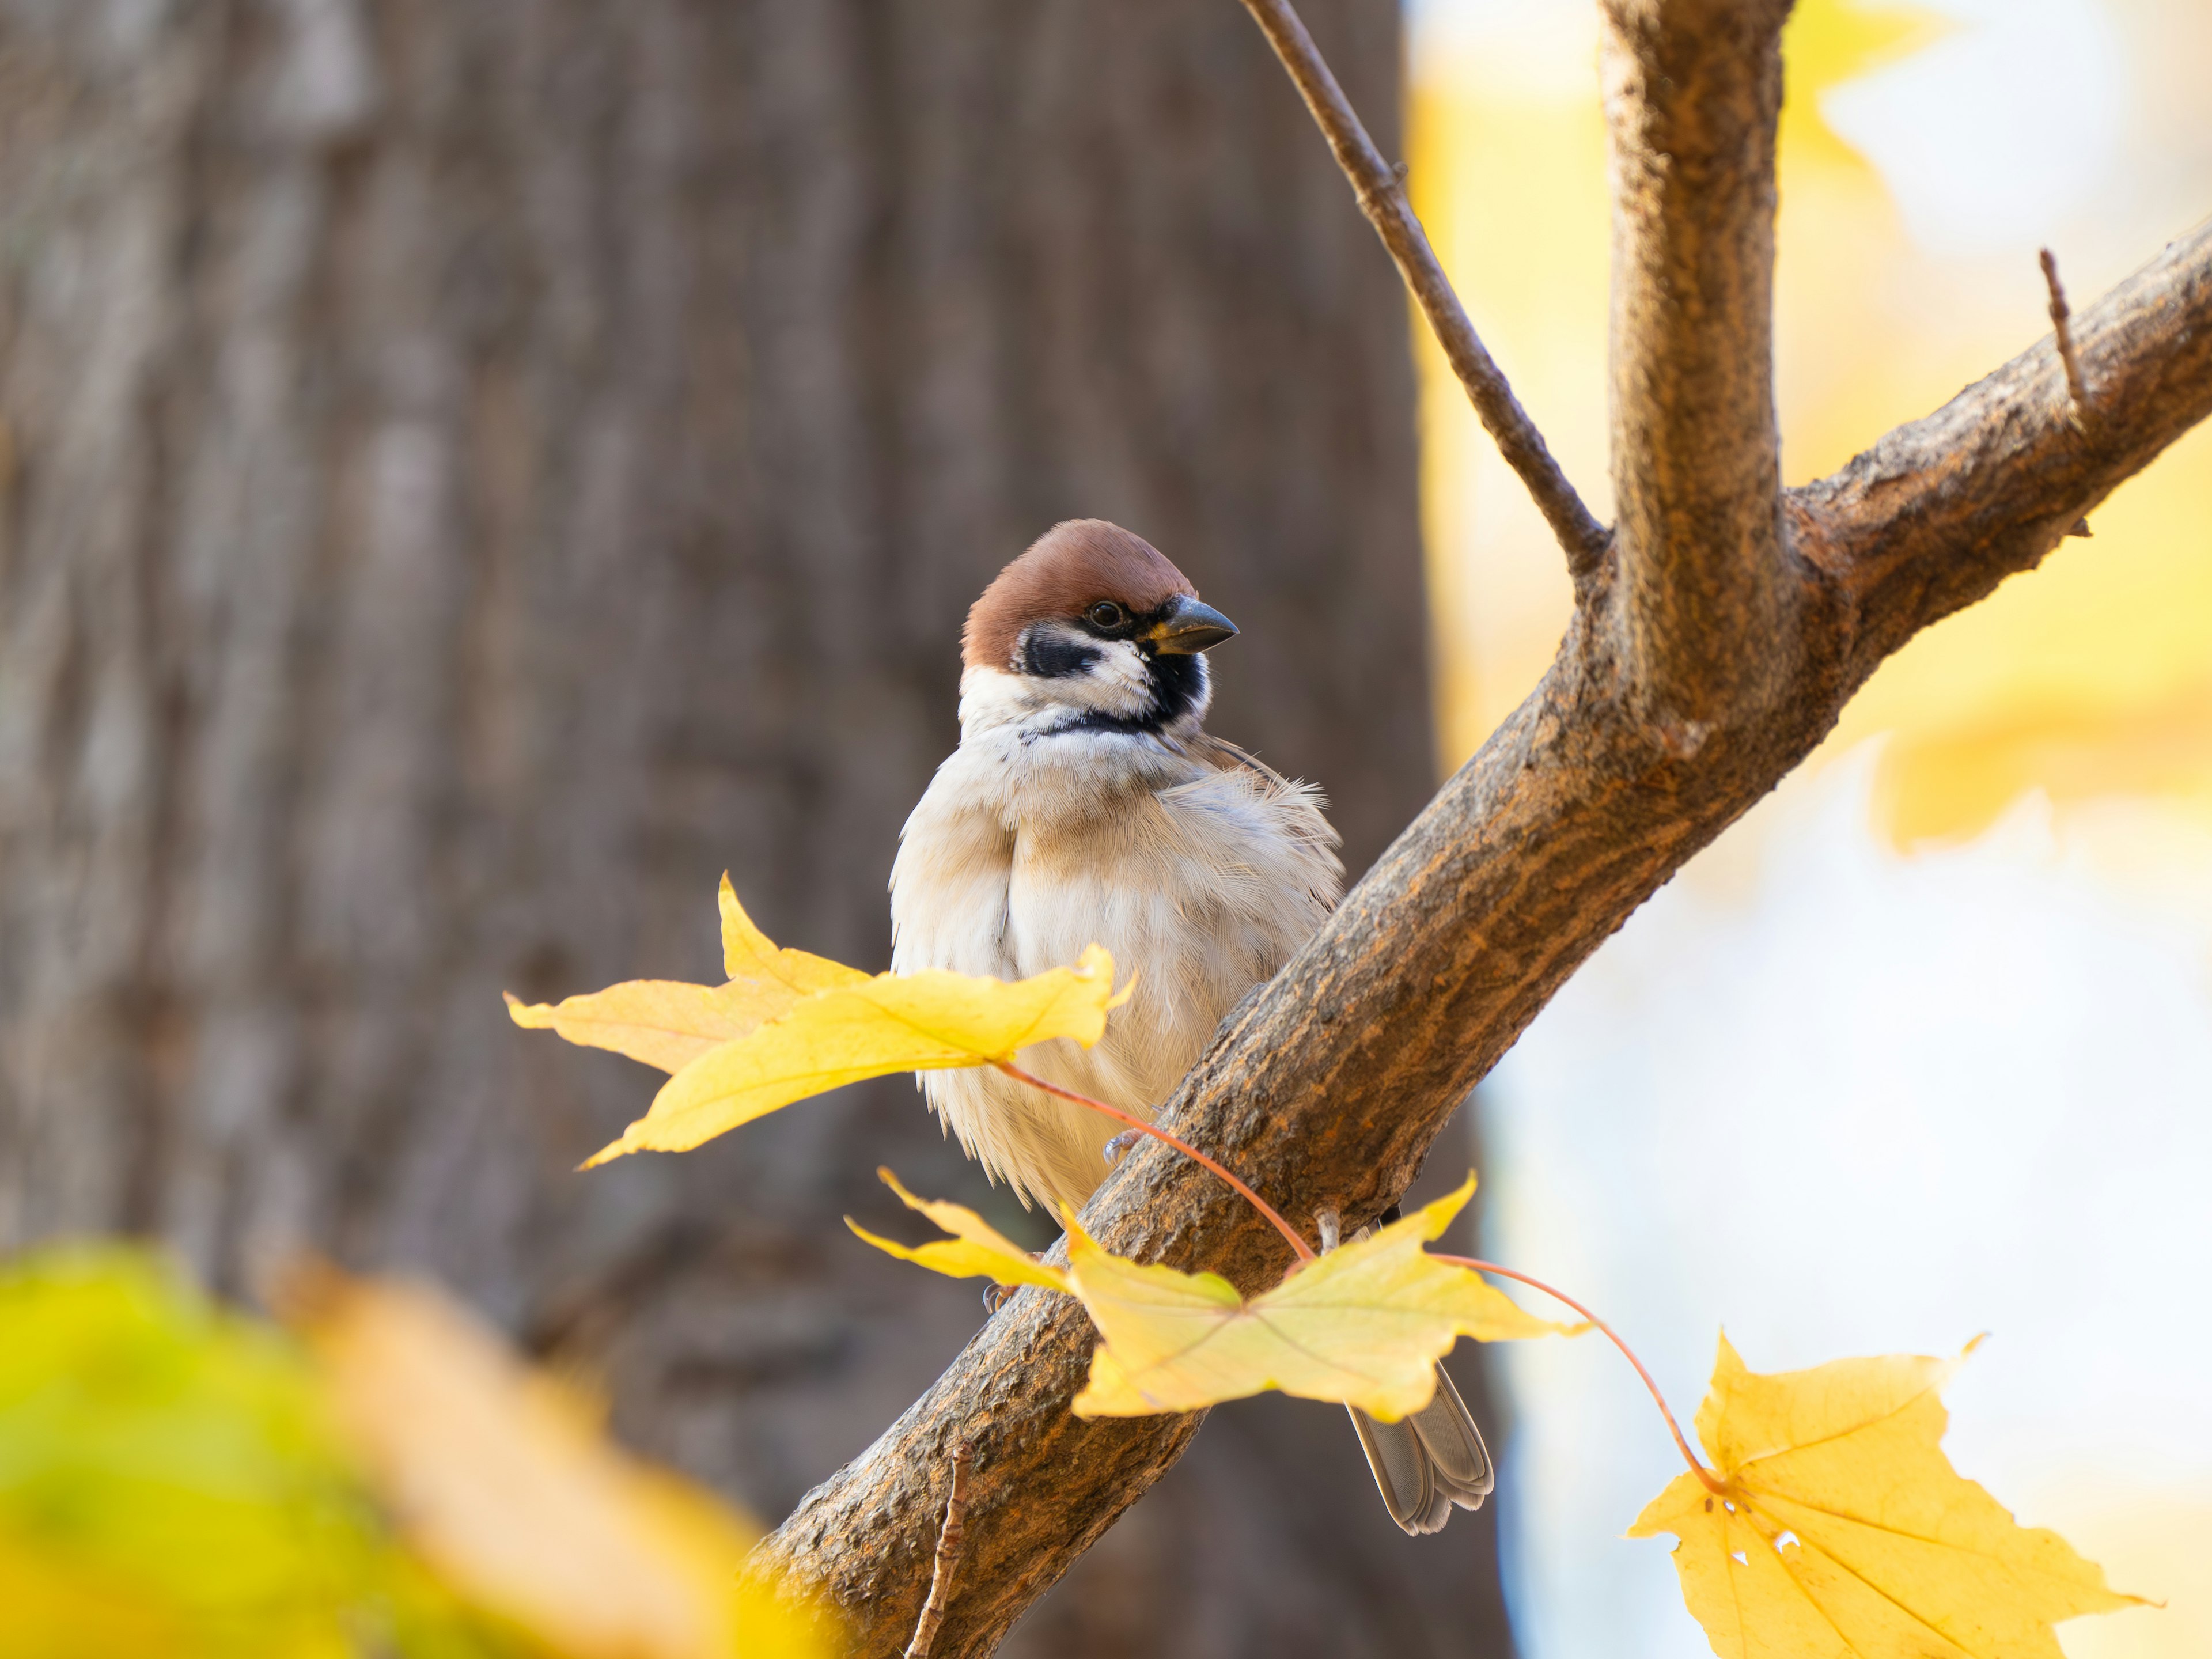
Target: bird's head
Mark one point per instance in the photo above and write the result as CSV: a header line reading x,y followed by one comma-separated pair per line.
x,y
1091,629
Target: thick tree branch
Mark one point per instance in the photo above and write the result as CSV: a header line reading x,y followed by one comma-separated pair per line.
x,y
1382,192
1693,90
1327,1087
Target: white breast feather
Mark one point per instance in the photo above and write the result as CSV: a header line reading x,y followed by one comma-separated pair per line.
x,y
1201,881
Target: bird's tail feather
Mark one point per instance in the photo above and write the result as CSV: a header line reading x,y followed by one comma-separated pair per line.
x,y
1428,1462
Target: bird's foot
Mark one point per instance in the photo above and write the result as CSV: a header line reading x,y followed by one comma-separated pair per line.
x,y
1121,1143
996,1296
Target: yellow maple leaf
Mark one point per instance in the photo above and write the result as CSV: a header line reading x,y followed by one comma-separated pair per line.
x,y
788,1024
871,1028
671,1022
1364,1325
1842,1532
976,1250
750,957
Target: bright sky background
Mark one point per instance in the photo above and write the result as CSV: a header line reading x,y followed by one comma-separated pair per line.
x,y
1923,1048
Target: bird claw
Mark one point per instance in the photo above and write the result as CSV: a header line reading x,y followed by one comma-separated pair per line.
x,y
996,1296
1121,1143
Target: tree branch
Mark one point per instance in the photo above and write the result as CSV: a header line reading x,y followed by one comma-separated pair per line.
x,y
1693,90
1382,192
1329,1085
1935,515
2076,387
949,1542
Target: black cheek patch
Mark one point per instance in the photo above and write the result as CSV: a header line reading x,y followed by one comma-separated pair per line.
x,y
1049,656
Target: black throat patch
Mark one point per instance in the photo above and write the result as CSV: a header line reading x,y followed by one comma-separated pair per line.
x,y
1178,682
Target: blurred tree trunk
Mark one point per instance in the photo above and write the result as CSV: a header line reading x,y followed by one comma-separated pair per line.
x,y
474,471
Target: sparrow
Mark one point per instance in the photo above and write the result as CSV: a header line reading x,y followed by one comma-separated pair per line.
x,y
1086,802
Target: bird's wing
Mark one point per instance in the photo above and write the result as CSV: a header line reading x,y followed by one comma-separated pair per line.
x,y
1224,756
1297,812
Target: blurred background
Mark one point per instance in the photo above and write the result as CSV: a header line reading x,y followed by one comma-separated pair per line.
x,y
472,473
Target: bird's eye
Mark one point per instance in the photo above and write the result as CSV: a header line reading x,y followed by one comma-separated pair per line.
x,y
1107,614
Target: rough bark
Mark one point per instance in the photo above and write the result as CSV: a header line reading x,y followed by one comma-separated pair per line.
x,y
476,469
1708,655
1692,91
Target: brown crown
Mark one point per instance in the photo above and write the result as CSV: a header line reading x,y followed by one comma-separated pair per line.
x,y
1070,568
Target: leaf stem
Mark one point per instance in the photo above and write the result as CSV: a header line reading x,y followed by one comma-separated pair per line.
x,y
1304,1250
1712,1481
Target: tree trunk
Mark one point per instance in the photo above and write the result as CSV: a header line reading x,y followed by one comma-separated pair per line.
x,y
471,472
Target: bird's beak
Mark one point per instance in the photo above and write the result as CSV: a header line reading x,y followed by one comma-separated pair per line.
x,y
1189,626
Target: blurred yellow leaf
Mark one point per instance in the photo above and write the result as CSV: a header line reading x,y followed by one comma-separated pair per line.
x,y
976,1250
170,1488
1952,783
1364,1325
1827,43
53,1604
503,1481
671,1022
871,1028
1843,1532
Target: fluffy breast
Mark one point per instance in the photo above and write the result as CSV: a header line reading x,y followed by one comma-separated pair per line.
x,y
1199,869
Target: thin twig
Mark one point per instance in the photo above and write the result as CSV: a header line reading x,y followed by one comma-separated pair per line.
x,y
1304,1250
1712,1482
2061,320
1381,190
949,1541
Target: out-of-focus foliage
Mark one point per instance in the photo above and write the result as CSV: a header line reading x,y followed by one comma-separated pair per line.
x,y
1363,1326
1841,1531
170,1485
1954,781
789,1025
1827,43
177,1481
503,1479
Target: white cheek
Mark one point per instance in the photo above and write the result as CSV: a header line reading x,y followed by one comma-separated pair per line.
x,y
991,697
1118,683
